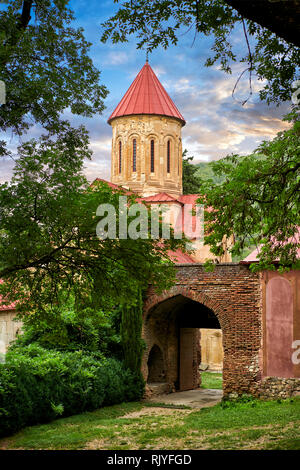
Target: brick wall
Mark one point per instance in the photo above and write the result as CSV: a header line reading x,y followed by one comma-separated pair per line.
x,y
234,294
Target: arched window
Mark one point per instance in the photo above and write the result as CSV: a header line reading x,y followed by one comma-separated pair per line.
x,y
168,155
152,156
156,369
120,157
134,155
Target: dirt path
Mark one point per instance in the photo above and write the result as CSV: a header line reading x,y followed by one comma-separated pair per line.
x,y
199,398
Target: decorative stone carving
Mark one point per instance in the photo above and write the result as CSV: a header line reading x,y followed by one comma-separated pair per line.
x,y
145,128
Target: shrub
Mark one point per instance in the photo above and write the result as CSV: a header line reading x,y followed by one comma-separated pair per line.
x,y
37,385
236,400
69,329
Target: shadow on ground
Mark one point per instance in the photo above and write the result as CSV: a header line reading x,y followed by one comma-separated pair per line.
x,y
198,398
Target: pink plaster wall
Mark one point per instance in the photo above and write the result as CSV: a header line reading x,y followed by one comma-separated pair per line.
x,y
279,327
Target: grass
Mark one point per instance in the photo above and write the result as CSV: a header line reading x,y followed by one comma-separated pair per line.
x,y
252,424
211,380
156,404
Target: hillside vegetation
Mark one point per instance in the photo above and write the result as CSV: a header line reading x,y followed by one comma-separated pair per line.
x,y
205,172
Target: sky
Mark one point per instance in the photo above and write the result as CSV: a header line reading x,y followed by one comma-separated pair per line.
x,y
216,123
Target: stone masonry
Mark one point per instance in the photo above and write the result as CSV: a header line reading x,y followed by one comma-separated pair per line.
x,y
144,128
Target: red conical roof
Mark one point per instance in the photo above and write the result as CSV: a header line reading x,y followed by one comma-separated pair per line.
x,y
146,95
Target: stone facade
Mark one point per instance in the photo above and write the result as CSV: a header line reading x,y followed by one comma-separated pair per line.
x,y
211,344
144,129
276,387
8,328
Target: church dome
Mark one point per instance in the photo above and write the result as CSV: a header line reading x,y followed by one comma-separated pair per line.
x,y
146,95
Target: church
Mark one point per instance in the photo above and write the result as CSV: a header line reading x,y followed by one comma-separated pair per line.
x,y
146,154
246,323
146,158
230,318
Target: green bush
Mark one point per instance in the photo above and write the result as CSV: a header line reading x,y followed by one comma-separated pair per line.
x,y
37,385
69,329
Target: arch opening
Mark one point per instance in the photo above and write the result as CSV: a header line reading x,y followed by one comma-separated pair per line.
x,y
190,337
156,369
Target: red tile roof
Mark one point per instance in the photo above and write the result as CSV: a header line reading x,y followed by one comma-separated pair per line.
x,y
161,197
252,257
146,95
178,257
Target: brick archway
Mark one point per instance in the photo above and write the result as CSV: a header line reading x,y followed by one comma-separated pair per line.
x,y
199,297
187,377
233,294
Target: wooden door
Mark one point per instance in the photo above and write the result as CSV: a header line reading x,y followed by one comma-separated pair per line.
x,y
188,373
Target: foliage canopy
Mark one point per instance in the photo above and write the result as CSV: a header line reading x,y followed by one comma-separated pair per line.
x,y
258,203
46,68
48,240
157,23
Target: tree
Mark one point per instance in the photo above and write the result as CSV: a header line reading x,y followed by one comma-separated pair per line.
x,y
48,240
259,202
67,328
46,68
273,26
49,249
190,181
279,16
131,332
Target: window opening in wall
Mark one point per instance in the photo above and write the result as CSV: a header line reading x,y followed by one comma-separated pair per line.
x,y
134,155
168,156
152,156
120,157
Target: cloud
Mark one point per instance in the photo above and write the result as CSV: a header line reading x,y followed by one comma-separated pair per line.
x,y
159,70
116,58
217,123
